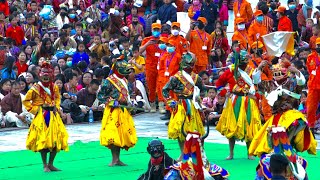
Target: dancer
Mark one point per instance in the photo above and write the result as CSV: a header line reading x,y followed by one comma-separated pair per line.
x,y
240,120
287,128
117,130
187,86
158,163
47,133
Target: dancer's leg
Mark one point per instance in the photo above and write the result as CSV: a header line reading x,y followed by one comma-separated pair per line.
x,y
248,145
51,159
44,153
232,142
181,146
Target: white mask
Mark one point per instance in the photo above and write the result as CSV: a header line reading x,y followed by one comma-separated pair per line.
x,y
175,32
241,27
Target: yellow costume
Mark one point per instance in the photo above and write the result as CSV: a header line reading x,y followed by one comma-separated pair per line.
x,y
302,141
41,136
185,110
117,126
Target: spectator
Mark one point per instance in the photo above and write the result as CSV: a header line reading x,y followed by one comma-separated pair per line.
x,y
14,31
241,35
64,42
200,44
306,12
5,87
21,63
82,65
307,33
62,17
4,7
220,41
45,50
285,23
223,13
7,71
85,80
30,30
94,64
23,84
99,48
194,10
106,62
3,25
167,12
257,29
71,86
278,166
138,63
292,14
135,28
93,12
209,11
205,77
242,9
12,109
80,55
316,34
27,49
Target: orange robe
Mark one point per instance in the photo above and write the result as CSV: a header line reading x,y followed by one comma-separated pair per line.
x,y
254,29
244,10
180,43
168,66
152,53
242,37
313,98
198,40
285,24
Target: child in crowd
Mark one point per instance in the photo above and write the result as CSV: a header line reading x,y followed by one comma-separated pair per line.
x,y
80,55
138,62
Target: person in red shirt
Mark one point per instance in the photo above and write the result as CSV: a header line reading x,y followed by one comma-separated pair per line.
x,y
21,63
313,98
14,31
153,52
4,7
285,23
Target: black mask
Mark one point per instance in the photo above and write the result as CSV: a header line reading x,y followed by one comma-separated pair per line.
x,y
318,50
200,25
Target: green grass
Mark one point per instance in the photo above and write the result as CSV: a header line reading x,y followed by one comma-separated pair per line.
x,y
90,161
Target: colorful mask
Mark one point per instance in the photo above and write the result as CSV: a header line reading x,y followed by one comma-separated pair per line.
x,y
155,148
122,68
188,61
46,75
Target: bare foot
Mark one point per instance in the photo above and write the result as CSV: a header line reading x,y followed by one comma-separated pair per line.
x,y
52,168
120,163
46,169
112,164
229,158
250,157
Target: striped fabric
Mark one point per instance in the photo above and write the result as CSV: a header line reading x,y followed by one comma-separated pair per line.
x,y
268,22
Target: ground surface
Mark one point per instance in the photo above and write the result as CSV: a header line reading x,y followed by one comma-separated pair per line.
x,y
88,160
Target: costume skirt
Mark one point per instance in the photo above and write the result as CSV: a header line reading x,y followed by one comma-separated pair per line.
x,y
240,118
47,131
117,128
188,113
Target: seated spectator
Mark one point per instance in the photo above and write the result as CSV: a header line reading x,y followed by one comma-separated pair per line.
x,y
98,47
7,71
56,69
99,74
12,108
23,85
106,62
278,166
94,64
71,86
218,108
86,97
205,77
80,55
22,63
14,31
64,42
85,80
209,102
307,33
5,85
83,66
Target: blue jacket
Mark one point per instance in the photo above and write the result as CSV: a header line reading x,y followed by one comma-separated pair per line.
x,y
6,75
77,57
167,12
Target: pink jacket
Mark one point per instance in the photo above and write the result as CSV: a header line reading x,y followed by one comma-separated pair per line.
x,y
223,13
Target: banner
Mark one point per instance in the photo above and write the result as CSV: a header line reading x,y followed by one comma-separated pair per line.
x,y
279,42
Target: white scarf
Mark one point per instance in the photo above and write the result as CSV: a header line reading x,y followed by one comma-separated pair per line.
x,y
248,80
272,97
123,82
45,89
196,90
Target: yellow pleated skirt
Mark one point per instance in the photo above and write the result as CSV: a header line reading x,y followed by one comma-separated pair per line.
x,y
247,123
193,122
54,137
117,128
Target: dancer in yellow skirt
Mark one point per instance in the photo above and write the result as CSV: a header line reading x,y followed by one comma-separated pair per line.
x,y
47,132
240,119
187,86
117,126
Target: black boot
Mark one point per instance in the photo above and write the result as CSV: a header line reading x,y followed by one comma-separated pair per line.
x,y
166,116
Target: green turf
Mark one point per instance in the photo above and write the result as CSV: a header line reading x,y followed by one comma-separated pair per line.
x,y
90,161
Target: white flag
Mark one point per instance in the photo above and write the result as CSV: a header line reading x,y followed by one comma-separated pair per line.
x,y
279,42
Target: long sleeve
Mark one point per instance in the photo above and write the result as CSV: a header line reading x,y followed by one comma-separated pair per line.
x,y
256,76
5,106
171,84
27,102
173,14
105,90
223,79
57,97
301,80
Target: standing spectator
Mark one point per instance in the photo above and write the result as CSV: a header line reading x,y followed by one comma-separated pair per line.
x,y
285,23
135,28
209,11
316,34
200,44
241,34
223,14
307,33
257,29
273,15
167,12
138,63
21,63
7,71
267,21
4,7
194,10
242,8
292,14
62,17
180,42
220,41
313,98
150,46
14,31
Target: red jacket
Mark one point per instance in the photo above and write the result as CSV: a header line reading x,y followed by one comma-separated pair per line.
x,y
21,67
285,24
15,33
4,7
